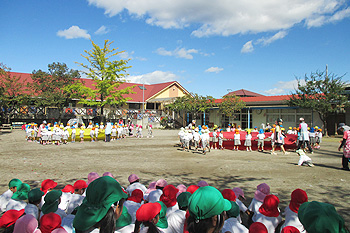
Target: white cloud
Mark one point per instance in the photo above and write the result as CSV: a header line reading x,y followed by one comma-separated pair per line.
x,y
154,77
178,52
284,88
74,32
102,30
224,17
248,47
266,41
126,55
214,70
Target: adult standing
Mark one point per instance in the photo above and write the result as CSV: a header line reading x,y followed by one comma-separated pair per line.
x,y
278,138
346,144
41,127
108,131
304,135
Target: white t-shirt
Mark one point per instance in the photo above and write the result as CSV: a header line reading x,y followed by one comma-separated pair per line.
x,y
291,219
32,210
196,136
65,198
172,209
270,222
16,205
255,205
132,208
154,196
67,223
176,221
241,205
234,226
75,200
4,199
261,136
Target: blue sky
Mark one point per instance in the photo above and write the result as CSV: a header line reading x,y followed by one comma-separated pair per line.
x,y
210,47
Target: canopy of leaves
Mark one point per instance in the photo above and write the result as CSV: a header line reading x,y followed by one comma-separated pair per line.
x,y
13,91
50,86
193,103
231,104
320,92
107,75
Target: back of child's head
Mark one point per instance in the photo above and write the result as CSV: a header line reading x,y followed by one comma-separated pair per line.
x,y
261,131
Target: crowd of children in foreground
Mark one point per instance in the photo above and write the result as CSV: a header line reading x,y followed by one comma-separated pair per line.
x,y
58,133
199,137
102,205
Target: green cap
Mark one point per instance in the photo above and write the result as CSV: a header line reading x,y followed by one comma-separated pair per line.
x,y
100,195
124,219
14,183
51,201
234,211
35,195
319,217
182,199
207,202
162,222
22,192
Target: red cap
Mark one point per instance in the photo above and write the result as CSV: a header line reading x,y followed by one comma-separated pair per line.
x,y
169,195
136,196
68,189
47,184
298,197
80,184
50,222
290,229
269,207
257,227
10,217
229,194
192,188
148,211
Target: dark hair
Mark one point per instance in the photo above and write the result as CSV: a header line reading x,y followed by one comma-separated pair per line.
x,y
152,228
158,187
202,226
106,225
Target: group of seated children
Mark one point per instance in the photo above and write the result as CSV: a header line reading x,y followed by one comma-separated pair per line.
x,y
102,205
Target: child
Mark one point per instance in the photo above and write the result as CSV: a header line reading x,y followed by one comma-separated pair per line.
x,y
261,137
221,140
65,135
187,139
182,137
34,199
312,137
237,140
92,134
205,139
119,131
262,190
304,159
6,196
290,130
140,131
82,131
248,141
215,139
114,133
29,131
96,132
74,131
196,138
150,131
318,138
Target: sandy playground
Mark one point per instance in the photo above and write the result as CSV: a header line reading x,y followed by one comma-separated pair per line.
x,y
159,157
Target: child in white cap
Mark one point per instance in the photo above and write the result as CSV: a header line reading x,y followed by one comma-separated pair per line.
x,y
81,133
196,138
248,141
221,140
304,159
74,131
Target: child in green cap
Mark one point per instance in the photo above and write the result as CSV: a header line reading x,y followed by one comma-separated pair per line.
x,y
17,201
34,199
206,208
6,196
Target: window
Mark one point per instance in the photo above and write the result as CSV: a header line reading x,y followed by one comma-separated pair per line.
x,y
142,88
134,106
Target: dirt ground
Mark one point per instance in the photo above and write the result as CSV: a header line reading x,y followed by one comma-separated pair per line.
x,y
159,157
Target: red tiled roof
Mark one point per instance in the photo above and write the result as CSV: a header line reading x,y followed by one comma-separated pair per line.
x,y
150,89
243,92
274,98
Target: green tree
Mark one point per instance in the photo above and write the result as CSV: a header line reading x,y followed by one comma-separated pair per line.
x,y
193,103
322,93
107,75
49,86
230,105
13,93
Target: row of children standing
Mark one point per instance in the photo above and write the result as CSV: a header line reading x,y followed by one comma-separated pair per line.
x,y
45,134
